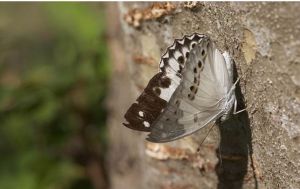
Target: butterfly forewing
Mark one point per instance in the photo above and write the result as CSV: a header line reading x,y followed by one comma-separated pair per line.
x,y
153,100
187,94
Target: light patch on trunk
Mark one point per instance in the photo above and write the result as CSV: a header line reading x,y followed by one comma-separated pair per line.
x,y
249,46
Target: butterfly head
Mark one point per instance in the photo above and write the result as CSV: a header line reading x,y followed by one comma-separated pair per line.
x,y
229,101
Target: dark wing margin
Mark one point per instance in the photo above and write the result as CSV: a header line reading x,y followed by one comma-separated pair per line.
x,y
148,105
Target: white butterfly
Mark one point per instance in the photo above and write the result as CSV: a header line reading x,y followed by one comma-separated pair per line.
x,y
193,88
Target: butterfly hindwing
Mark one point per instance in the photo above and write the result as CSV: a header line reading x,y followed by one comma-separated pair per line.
x,y
199,96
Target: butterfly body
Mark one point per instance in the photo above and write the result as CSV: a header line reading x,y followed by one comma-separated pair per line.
x,y
193,88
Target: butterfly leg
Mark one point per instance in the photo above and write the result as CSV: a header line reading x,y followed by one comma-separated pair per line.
x,y
210,129
238,79
235,101
235,107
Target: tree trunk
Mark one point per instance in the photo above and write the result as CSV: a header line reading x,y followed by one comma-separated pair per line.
x,y
258,148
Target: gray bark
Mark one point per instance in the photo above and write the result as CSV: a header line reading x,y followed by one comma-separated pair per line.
x,y
255,149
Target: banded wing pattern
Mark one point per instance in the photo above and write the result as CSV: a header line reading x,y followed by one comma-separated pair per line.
x,y
192,89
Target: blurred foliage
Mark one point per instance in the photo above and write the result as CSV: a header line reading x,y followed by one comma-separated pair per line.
x,y
53,80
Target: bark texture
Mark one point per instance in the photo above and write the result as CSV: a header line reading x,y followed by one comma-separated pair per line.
x,y
259,148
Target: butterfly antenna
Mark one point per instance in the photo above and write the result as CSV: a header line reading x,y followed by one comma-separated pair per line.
x,y
220,155
207,134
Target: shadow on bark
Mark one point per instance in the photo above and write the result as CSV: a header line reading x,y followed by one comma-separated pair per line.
x,y
235,147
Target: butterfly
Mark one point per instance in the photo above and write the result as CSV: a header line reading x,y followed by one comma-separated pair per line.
x,y
193,88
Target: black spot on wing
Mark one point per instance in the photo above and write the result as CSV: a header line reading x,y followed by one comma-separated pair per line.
x,y
157,90
187,55
171,53
180,60
203,52
187,42
199,64
196,37
177,45
195,70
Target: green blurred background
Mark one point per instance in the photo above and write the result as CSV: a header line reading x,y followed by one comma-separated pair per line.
x,y
54,72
